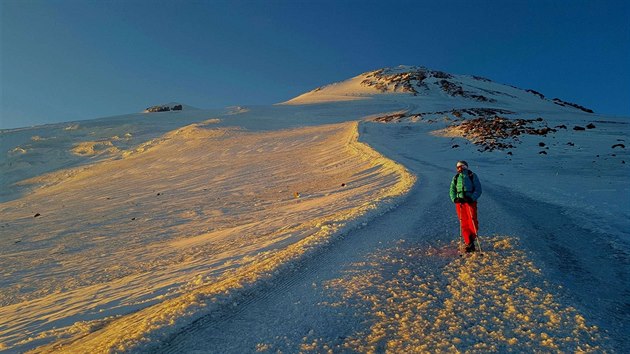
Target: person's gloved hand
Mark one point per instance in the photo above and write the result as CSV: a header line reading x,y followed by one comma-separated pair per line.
x,y
459,200
468,200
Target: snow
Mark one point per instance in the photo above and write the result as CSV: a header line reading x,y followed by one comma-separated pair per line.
x,y
310,226
487,303
197,203
349,90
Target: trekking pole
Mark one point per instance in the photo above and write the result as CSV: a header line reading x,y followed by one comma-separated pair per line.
x,y
459,240
476,233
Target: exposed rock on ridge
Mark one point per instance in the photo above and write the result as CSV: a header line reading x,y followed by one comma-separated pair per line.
x,y
413,80
161,108
564,104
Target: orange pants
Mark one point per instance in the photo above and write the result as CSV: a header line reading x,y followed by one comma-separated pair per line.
x,y
467,214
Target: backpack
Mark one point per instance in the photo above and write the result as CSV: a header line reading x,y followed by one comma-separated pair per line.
x,y
470,175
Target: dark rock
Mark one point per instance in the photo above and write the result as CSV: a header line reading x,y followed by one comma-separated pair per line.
x,y
564,104
491,133
480,98
536,93
479,78
590,126
561,126
389,118
155,109
541,144
456,90
543,152
451,88
441,75
409,81
558,102
36,215
454,146
343,184
486,112
619,145
577,127
178,107
570,144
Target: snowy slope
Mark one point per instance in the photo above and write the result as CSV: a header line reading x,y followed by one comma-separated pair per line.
x,y
434,89
298,226
29,152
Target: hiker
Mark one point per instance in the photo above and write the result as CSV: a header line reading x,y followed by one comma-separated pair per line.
x,y
465,190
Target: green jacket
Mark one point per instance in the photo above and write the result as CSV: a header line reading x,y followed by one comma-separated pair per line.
x,y
465,185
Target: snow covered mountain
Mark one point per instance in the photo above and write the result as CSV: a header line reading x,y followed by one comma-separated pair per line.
x,y
426,86
320,224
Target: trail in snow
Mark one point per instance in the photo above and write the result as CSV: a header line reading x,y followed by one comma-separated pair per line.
x,y
585,256
280,316
398,285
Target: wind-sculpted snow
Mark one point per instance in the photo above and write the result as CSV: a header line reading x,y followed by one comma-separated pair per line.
x,y
495,302
30,152
123,250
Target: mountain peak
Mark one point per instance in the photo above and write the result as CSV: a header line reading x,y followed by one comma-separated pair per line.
x,y
423,86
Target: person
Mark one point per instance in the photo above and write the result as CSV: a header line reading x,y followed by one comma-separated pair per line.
x,y
465,190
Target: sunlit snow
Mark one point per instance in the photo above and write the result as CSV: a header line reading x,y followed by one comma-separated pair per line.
x,y
321,224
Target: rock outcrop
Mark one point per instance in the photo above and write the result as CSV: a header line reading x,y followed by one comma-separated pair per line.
x,y
413,80
161,108
564,104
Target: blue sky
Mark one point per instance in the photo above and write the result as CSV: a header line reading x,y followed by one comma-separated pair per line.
x,y
65,60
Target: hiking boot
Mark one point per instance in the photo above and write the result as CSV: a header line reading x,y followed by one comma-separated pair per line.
x,y
470,248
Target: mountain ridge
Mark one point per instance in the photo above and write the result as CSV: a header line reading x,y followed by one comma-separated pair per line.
x,y
408,82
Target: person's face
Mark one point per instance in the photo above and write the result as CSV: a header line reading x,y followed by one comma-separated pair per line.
x,y
460,168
